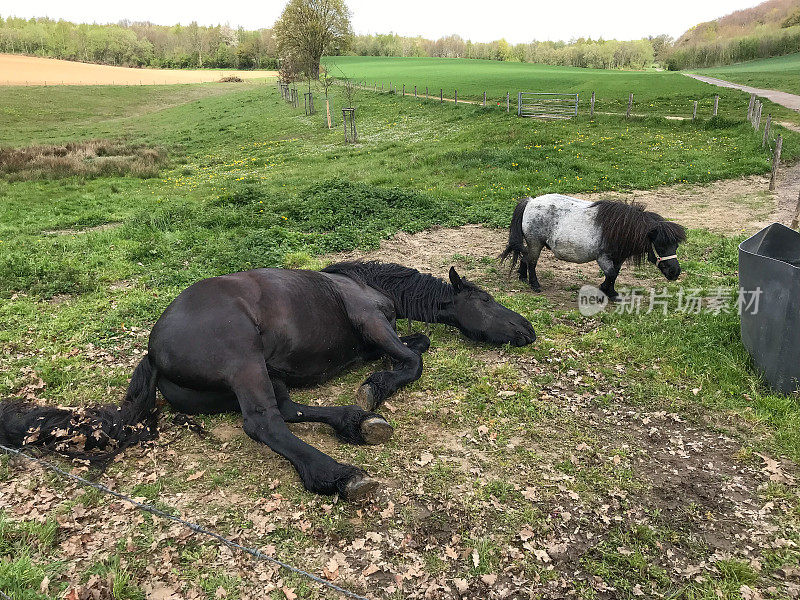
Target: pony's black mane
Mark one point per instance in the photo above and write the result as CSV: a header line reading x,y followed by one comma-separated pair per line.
x,y
625,230
416,295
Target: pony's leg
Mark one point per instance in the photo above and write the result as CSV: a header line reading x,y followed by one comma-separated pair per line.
x,y
264,423
406,363
523,269
611,271
534,250
351,423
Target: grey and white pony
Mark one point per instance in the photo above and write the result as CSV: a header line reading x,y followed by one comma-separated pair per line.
x,y
579,231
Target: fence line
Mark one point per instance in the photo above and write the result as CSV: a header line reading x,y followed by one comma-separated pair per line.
x,y
255,552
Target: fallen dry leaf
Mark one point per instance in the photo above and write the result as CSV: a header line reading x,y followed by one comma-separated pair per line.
x,y
195,476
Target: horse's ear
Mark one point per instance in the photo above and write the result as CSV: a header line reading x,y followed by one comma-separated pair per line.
x,y
455,280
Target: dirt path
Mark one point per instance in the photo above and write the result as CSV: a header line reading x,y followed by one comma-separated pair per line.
x,y
16,69
791,101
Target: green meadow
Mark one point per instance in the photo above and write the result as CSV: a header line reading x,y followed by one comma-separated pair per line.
x,y
661,93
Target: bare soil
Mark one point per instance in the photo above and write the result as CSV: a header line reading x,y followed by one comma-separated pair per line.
x,y
16,69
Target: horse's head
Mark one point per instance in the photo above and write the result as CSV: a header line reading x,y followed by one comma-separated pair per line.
x,y
481,318
665,236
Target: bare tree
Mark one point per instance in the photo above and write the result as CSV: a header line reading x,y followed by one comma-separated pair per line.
x,y
308,29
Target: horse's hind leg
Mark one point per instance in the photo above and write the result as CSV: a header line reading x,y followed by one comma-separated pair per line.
x,y
406,362
264,423
534,250
351,423
523,269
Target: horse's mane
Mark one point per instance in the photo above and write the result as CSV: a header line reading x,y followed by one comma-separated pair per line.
x,y
625,230
416,295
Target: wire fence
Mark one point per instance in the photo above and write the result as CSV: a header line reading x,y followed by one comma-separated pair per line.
x,y
255,552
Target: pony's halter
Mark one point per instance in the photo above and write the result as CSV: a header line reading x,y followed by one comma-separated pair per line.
x,y
659,259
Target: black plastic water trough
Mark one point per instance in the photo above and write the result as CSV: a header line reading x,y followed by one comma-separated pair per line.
x,y
770,261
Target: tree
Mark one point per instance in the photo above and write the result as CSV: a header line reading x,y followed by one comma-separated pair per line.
x,y
308,29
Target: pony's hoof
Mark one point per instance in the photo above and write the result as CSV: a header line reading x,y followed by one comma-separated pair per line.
x,y
366,398
375,430
360,487
536,289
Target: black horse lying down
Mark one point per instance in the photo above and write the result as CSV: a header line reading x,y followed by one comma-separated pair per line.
x,y
238,342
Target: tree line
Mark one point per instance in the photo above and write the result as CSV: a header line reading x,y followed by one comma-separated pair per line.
x,y
140,44
582,52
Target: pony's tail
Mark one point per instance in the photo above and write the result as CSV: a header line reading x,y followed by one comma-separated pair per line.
x,y
516,238
93,434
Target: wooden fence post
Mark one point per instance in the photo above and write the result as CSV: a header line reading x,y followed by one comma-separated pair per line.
x,y
415,91
766,131
630,104
426,91
591,107
508,102
328,111
757,124
796,212
404,90
484,99
694,112
441,97
750,107
776,160
716,104
455,97
519,104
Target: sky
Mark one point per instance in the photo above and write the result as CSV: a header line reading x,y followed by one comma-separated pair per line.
x,y
481,21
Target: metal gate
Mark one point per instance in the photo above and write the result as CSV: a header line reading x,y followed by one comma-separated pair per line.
x,y
547,105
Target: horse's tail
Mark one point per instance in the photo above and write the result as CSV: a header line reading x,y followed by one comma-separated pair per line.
x,y
94,434
516,238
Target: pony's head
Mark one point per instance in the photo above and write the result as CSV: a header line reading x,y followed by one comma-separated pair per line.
x,y
629,232
664,238
482,319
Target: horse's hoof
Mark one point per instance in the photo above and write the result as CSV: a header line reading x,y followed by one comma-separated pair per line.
x,y
366,397
359,487
536,289
375,430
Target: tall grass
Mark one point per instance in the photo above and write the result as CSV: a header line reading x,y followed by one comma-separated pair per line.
x,y
94,158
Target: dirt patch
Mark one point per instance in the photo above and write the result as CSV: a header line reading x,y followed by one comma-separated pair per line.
x,y
731,206
16,69
71,231
93,158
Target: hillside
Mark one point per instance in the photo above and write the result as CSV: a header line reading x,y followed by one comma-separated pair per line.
x,y
770,29
769,16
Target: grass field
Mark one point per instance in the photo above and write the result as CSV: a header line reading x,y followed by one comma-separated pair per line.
x,y
660,93
778,73
613,445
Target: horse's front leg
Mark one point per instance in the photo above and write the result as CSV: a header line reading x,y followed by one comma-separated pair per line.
x,y
264,423
351,423
611,271
378,332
